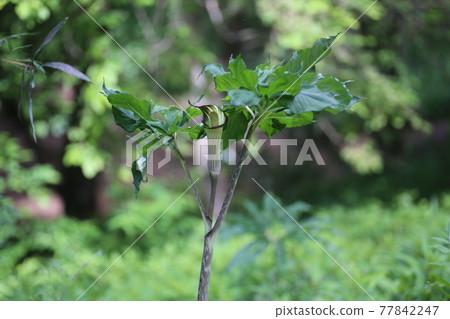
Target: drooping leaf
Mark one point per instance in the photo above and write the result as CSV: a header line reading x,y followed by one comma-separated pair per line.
x,y
138,169
243,97
49,37
68,69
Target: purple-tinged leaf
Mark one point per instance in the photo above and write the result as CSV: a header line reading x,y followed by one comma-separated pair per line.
x,y
50,36
30,103
67,68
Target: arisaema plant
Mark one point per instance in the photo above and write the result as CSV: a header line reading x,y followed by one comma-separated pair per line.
x,y
270,97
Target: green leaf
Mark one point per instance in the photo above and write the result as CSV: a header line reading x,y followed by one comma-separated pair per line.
x,y
172,116
138,169
243,76
281,84
276,122
295,120
214,69
158,109
126,119
264,75
175,119
236,126
243,97
140,108
271,126
304,60
193,111
195,132
322,92
238,77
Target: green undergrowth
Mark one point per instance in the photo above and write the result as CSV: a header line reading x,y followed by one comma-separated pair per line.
x,y
395,253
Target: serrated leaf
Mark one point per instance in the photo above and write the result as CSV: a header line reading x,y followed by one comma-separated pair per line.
x,y
243,97
226,82
67,69
244,77
322,92
238,77
107,91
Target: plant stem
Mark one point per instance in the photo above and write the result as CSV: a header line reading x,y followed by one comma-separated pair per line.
x,y
205,272
17,63
210,237
230,190
212,195
206,219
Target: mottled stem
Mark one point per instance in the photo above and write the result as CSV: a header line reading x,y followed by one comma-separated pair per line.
x,y
205,272
210,237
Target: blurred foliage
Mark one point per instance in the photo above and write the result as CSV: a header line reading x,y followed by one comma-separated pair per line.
x,y
389,250
396,140
392,72
14,177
